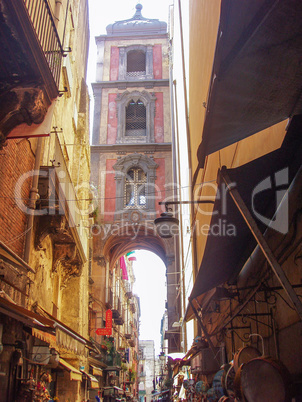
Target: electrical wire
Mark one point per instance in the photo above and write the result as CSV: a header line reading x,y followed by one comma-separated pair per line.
x,y
19,236
98,198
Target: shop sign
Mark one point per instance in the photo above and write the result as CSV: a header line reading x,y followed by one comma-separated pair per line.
x,y
108,329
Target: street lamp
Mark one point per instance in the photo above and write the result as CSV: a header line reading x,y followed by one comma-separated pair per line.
x,y
162,356
162,359
166,224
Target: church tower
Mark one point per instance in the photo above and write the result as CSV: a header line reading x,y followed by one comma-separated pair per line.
x,y
131,154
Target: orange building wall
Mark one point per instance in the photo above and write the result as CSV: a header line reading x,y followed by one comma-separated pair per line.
x,y
159,118
112,120
157,62
114,62
160,184
110,191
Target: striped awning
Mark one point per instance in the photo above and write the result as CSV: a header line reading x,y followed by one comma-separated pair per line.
x,y
75,374
93,382
96,370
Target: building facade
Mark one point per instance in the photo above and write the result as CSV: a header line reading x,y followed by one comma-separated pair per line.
x,y
147,371
44,201
114,328
242,147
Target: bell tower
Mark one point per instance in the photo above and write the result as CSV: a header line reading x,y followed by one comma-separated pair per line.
x,y
131,147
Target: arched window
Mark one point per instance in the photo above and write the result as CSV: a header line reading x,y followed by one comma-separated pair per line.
x,y
136,63
135,118
135,188
135,113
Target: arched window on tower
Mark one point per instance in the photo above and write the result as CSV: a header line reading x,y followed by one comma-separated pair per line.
x,y
136,63
135,188
135,119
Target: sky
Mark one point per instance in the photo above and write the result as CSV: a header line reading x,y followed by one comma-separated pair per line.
x,y
149,269
103,13
150,286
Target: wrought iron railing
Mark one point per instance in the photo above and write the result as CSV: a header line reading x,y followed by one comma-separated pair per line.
x,y
43,24
113,358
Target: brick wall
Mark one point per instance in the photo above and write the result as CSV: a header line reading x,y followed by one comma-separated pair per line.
x,y
15,160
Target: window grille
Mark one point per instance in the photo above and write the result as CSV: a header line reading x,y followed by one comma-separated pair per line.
x,y
136,63
135,189
135,119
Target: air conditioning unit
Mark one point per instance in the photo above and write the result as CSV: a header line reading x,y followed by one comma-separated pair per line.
x,y
207,362
40,354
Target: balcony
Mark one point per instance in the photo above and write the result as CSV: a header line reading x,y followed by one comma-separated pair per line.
x,y
131,341
128,331
117,311
109,301
128,289
31,24
30,66
114,359
132,307
58,208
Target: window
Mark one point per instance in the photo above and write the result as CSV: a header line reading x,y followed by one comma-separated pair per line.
x,y
135,113
135,118
136,63
135,189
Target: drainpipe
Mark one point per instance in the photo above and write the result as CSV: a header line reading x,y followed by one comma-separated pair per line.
x,y
187,132
175,194
57,12
176,173
33,196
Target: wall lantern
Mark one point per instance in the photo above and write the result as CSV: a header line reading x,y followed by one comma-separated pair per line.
x,y
166,224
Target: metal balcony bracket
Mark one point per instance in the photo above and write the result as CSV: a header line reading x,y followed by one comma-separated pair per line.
x,y
66,51
61,92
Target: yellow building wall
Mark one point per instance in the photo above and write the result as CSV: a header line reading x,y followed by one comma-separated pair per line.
x,y
68,143
204,21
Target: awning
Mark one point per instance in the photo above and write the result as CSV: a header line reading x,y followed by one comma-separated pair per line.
x,y
92,380
96,370
75,374
66,336
256,76
9,256
45,337
225,253
28,317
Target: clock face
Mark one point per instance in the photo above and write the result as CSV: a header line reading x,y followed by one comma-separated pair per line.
x,y
135,216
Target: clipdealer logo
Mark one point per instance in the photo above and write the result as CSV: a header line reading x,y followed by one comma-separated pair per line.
x,y
279,184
